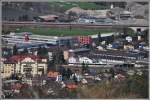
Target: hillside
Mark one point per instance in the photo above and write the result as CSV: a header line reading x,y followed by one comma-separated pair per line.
x,y
12,11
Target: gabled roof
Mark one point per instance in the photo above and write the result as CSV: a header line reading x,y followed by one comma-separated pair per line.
x,y
137,9
76,10
133,5
116,10
52,74
49,17
17,58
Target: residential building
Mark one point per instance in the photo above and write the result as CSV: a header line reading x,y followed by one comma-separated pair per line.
x,y
138,10
85,60
84,40
25,65
86,20
72,60
128,46
8,69
76,10
66,54
89,13
119,13
47,18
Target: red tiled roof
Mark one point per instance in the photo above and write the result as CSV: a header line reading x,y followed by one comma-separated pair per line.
x,y
71,86
52,74
17,58
17,86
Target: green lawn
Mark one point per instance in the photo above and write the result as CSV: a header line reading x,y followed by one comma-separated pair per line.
x,y
64,32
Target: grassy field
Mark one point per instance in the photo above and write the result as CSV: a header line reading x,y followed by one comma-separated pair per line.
x,y
63,32
83,5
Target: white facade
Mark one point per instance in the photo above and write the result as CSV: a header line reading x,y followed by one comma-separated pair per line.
x,y
72,60
83,20
25,66
85,60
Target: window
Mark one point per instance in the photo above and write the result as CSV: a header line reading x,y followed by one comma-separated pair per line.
x,y
27,69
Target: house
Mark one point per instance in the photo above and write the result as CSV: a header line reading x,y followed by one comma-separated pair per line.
x,y
17,87
100,48
98,13
53,75
119,13
84,81
9,84
76,10
130,72
88,76
116,45
128,46
84,40
77,75
66,54
8,69
115,12
109,46
47,18
72,60
89,13
86,20
138,10
71,85
119,77
139,72
85,60
125,15
25,65
103,37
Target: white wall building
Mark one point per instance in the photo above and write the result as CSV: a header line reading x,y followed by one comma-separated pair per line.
x,y
72,60
32,65
85,60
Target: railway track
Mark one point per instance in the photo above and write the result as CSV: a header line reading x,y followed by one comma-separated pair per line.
x,y
71,25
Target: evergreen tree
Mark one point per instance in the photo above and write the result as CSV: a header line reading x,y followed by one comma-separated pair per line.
x,y
15,50
44,52
68,44
69,73
86,68
63,72
52,63
111,71
83,67
61,59
99,37
39,51
25,51
75,79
